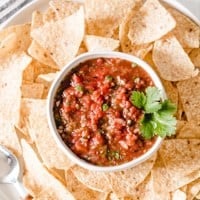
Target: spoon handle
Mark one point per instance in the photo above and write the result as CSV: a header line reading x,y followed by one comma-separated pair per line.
x,y
24,195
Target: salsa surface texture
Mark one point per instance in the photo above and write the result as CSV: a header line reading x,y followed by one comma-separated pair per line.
x,y
94,114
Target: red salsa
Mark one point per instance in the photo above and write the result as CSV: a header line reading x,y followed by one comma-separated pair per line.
x,y
94,114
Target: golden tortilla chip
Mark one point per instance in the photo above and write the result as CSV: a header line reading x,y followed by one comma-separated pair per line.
x,y
171,90
95,180
124,183
166,181
79,190
150,23
49,15
40,68
193,189
189,91
37,179
64,8
8,45
97,43
181,159
190,130
195,57
126,46
186,31
104,18
187,50
178,195
197,196
46,79
22,43
37,20
171,60
35,50
62,38
39,131
28,74
32,90
179,125
146,189
40,54
11,70
82,49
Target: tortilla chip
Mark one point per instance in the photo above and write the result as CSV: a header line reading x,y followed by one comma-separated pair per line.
x,y
104,18
8,45
193,189
190,130
40,68
59,174
97,43
150,23
186,31
171,90
11,69
180,113
46,79
178,195
64,8
62,38
37,20
181,159
40,54
22,43
32,90
28,74
137,50
124,183
197,196
49,15
146,189
94,180
166,181
82,49
79,190
195,57
171,61
179,125
39,131
187,50
189,91
37,179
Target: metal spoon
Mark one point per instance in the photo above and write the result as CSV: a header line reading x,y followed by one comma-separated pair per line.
x,y
10,172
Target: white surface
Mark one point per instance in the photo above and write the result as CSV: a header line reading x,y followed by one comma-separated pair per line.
x,y
7,192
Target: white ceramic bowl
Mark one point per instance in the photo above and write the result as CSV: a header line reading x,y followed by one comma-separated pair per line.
x,y
66,70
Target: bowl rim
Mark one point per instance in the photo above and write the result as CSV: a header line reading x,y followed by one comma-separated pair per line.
x,y
50,102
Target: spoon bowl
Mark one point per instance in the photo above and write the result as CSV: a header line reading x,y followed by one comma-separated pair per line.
x,y
10,172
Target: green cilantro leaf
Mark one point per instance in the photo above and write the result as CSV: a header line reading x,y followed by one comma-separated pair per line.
x,y
147,128
166,124
138,99
168,107
153,100
79,88
108,78
158,116
105,107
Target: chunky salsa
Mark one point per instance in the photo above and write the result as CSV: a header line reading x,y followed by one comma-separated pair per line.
x,y
94,114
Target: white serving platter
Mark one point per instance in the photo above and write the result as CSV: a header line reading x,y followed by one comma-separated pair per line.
x,y
7,191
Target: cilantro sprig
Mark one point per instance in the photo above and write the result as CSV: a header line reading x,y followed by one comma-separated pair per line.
x,y
158,116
